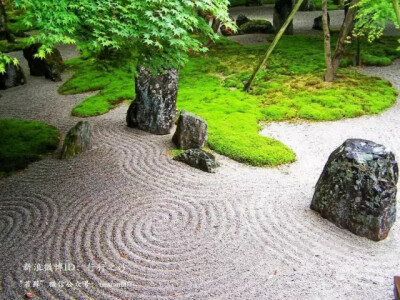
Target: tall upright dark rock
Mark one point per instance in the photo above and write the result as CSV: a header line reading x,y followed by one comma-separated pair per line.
x,y
357,189
154,109
282,10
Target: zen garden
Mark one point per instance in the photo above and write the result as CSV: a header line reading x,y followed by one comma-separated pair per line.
x,y
211,149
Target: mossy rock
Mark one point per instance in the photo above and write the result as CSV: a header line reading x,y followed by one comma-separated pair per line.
x,y
257,26
77,139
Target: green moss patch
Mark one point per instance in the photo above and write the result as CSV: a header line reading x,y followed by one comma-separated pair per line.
x,y
22,142
289,88
115,84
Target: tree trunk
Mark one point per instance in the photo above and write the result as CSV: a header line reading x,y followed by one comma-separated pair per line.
x,y
273,45
397,10
346,29
4,22
154,109
215,24
329,75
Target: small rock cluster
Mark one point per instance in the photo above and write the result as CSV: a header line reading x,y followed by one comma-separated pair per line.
x,y
357,189
191,136
51,67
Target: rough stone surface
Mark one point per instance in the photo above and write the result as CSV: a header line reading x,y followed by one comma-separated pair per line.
x,y
317,25
357,189
241,19
307,5
154,109
13,76
191,132
257,26
282,10
198,159
51,66
77,139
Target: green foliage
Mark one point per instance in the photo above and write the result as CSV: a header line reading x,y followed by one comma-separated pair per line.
x,y
290,88
162,32
5,60
331,5
5,47
372,17
22,142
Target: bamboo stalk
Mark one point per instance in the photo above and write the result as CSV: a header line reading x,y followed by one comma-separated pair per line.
x,y
273,45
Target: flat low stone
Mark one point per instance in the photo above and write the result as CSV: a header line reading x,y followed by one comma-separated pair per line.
x,y
77,139
13,76
198,159
357,189
191,131
256,26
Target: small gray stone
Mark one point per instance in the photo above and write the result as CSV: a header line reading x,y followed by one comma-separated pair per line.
x,y
77,139
357,189
13,77
154,109
191,132
198,159
317,25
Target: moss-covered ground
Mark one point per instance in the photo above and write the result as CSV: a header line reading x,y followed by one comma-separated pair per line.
x,y
289,88
22,142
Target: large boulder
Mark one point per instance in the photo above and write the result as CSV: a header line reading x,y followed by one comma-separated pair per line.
x,y
13,76
357,189
51,66
191,131
257,26
77,139
307,5
154,109
241,19
317,25
198,159
282,10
